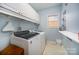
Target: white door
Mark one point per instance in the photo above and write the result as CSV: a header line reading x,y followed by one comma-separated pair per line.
x,y
34,46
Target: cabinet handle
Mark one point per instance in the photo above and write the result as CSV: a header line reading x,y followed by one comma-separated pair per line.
x,y
69,39
31,42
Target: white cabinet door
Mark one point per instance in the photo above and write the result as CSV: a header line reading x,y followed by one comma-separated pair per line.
x,y
11,9
34,46
11,6
29,12
23,9
43,42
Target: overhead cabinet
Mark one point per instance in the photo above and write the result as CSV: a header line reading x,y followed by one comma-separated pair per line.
x,y
22,9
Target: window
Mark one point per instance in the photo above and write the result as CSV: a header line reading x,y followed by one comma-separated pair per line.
x,y
53,21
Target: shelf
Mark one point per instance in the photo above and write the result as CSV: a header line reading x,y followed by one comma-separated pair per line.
x,y
72,36
9,27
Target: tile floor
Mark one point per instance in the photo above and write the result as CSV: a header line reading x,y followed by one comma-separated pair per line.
x,y
54,49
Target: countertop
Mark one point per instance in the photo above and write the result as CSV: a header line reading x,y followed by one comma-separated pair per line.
x,y
71,35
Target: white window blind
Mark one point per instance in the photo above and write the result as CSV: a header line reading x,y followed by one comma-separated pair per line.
x,y
53,21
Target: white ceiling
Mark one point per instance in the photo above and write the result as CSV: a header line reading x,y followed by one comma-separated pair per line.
x,y
41,6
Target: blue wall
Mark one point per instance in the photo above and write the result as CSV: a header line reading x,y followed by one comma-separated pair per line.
x,y
26,25
72,17
51,34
